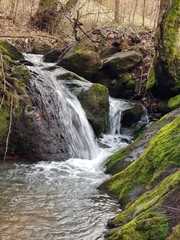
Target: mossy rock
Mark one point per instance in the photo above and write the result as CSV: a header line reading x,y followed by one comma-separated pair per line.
x,y
15,93
161,156
10,50
4,125
122,62
174,102
83,62
124,157
167,60
175,235
121,86
132,115
151,82
146,218
95,102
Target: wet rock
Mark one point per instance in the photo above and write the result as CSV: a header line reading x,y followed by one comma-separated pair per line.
x,y
52,56
132,115
95,102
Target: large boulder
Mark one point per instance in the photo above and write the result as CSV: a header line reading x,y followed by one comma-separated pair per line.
x,y
132,115
83,62
95,102
122,62
167,62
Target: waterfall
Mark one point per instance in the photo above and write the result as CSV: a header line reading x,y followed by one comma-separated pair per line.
x,y
116,108
114,139
65,107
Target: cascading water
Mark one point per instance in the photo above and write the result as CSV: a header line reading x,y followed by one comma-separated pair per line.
x,y
59,200
67,109
114,138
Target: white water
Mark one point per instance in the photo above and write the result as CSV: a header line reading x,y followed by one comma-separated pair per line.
x,y
71,116
59,200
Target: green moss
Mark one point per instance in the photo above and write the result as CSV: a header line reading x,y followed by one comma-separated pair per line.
x,y
96,105
123,158
10,50
171,43
115,158
175,235
21,72
13,93
142,219
174,102
161,155
146,227
83,62
4,119
151,79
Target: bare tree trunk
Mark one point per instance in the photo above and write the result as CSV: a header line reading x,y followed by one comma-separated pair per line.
x,y
45,16
48,17
144,12
134,12
117,13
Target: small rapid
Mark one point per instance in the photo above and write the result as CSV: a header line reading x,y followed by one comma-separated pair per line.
x,y
59,200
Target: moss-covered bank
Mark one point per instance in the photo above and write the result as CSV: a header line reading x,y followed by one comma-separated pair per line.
x,y
148,188
160,157
147,218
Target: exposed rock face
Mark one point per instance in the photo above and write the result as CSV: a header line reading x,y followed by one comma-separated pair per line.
x,y
96,105
83,62
122,61
167,62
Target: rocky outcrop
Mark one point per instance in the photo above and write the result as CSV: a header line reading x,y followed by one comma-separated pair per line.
x,y
95,102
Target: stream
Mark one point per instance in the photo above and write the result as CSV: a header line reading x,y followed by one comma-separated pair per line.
x,y
59,200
